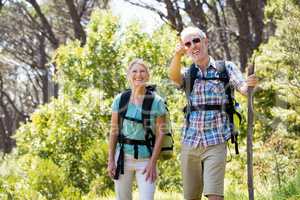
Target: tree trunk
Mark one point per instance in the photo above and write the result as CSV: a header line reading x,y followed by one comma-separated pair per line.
x,y
173,15
256,9
78,29
244,37
221,32
243,12
6,127
196,13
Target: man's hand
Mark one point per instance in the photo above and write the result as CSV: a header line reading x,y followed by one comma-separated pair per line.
x,y
180,49
252,81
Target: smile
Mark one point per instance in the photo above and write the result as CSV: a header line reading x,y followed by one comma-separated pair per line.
x,y
196,52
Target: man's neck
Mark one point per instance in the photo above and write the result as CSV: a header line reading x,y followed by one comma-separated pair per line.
x,y
202,64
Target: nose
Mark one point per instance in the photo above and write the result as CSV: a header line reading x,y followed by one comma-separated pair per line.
x,y
138,74
193,44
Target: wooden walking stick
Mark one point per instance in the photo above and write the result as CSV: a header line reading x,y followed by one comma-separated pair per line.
x,y
250,136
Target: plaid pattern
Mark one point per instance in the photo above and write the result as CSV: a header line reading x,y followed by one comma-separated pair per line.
x,y
210,127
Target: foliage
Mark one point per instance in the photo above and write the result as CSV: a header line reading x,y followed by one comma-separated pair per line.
x,y
290,191
65,141
277,102
71,135
97,64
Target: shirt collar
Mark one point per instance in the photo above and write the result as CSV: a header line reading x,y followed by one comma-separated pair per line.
x,y
211,63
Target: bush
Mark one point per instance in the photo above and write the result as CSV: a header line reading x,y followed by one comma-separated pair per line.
x,y
290,191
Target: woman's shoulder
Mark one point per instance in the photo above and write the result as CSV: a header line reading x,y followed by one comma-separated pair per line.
x,y
159,101
116,101
158,98
118,96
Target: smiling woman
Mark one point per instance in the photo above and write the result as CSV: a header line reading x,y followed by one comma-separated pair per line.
x,y
136,135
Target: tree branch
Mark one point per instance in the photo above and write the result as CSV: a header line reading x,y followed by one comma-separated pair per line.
x,y
13,105
46,25
162,16
78,29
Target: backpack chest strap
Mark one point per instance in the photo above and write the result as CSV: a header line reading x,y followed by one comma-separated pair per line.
x,y
133,119
135,144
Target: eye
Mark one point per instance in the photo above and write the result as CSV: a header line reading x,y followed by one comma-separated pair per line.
x,y
196,40
188,44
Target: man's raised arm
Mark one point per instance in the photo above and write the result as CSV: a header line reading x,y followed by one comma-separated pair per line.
x,y
175,66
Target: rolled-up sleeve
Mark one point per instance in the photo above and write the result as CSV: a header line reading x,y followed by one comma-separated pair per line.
x,y
235,75
115,104
159,107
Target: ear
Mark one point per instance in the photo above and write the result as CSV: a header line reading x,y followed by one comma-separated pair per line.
x,y
206,41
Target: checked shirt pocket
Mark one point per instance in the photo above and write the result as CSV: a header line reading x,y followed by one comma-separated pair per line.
x,y
215,87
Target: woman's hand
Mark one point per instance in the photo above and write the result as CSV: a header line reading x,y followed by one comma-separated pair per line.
x,y
150,171
111,168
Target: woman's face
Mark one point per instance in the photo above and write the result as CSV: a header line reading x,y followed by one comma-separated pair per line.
x,y
138,76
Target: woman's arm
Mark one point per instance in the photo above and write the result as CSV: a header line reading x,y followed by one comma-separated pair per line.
x,y
113,138
150,170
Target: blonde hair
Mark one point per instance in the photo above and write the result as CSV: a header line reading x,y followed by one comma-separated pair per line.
x,y
192,30
138,61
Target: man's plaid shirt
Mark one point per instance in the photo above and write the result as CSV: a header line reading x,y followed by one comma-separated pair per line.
x,y
210,127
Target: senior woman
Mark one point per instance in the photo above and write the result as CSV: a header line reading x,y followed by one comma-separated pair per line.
x,y
131,154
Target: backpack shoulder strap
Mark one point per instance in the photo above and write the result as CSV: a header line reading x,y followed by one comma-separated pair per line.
x,y
147,103
189,79
146,113
146,107
224,77
123,104
221,67
230,110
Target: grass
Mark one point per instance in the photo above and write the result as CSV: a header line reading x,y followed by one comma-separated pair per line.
x,y
159,195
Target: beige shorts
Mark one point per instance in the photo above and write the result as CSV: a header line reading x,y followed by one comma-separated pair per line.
x,y
203,170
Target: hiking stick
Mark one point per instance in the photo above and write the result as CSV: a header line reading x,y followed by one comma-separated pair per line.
x,y
250,136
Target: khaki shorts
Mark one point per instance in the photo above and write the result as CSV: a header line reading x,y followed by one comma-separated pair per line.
x,y
203,170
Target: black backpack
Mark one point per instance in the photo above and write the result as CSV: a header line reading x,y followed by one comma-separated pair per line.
x,y
230,108
149,142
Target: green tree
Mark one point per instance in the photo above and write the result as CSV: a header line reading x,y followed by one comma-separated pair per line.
x,y
277,101
69,134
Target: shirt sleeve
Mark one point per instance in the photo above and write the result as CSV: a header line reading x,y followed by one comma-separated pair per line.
x,y
235,75
159,108
115,104
183,72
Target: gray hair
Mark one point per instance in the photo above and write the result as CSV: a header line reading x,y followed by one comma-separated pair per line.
x,y
192,30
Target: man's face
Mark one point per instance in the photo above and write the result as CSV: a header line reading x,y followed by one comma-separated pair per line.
x,y
196,47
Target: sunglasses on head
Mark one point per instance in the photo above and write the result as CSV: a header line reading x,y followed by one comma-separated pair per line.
x,y
195,41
